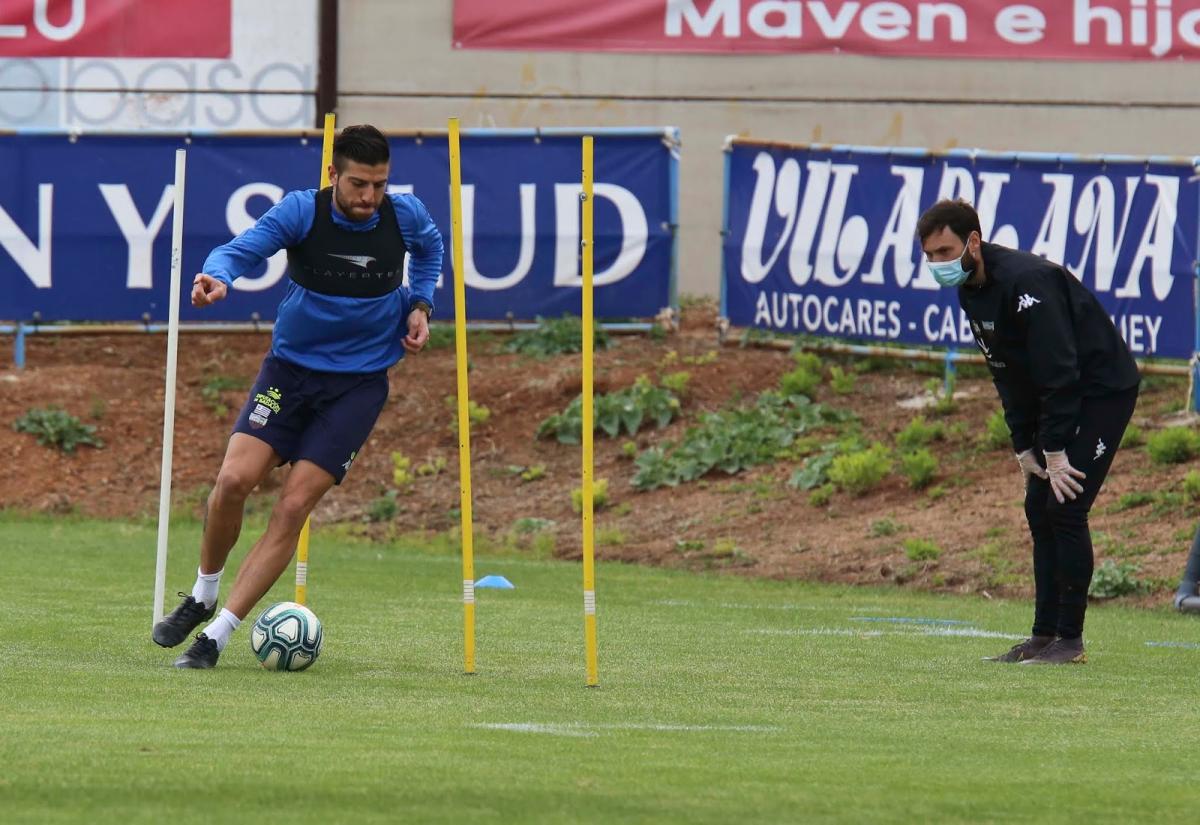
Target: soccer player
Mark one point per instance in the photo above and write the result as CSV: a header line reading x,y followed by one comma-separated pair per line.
x,y
1068,385
345,319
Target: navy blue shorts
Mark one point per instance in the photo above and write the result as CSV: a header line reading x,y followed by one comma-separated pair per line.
x,y
322,417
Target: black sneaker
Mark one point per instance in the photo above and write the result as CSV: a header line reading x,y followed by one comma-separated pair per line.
x,y
177,626
1025,650
201,655
1062,652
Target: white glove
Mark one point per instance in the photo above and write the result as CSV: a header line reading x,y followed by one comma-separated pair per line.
x,y
1062,476
1029,464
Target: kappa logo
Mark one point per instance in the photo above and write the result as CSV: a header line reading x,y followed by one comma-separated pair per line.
x,y
362,261
349,461
1101,449
1026,301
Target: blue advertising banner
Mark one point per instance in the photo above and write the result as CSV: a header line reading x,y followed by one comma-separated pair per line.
x,y
823,240
85,221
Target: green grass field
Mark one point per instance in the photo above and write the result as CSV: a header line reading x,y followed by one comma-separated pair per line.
x,y
722,699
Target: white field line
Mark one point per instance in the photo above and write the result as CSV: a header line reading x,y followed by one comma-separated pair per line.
x,y
589,729
736,606
959,632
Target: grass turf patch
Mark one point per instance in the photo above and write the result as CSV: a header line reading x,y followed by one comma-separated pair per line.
x,y
721,699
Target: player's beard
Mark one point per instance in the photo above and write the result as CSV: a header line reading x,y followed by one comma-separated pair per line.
x,y
351,212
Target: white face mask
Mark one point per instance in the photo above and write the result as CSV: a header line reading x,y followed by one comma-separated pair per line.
x,y
951,273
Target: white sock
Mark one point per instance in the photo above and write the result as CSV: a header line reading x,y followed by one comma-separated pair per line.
x,y
206,586
222,627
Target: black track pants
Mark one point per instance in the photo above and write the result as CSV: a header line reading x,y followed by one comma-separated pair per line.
x,y
1062,542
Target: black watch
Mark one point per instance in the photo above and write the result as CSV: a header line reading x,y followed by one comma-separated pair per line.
x,y
424,307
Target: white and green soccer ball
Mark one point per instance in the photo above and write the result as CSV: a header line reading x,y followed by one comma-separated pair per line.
x,y
286,636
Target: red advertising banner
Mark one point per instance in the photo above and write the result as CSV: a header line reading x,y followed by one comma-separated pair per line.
x,y
115,28
1035,29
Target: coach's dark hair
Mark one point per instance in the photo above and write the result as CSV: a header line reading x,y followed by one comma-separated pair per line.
x,y
957,215
362,144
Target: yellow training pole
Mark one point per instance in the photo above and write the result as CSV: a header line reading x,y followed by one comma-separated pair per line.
x,y
464,421
302,544
589,564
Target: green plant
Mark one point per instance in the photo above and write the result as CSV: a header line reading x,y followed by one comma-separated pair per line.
x,y
1113,579
529,524
821,496
629,449
1130,500
884,527
842,382
543,545
476,413
212,389
943,394
1133,437
676,382
919,467
921,550
1191,484
555,336
1001,571
814,471
610,537
533,472
441,336
401,476
53,427
996,435
98,408
732,440
432,466
709,357
935,492
626,409
727,548
688,545
1168,501
860,472
383,508
599,496
800,381
808,361
1174,445
919,433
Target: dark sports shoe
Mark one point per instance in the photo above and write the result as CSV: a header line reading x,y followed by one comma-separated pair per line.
x,y
176,627
1025,650
1062,652
201,655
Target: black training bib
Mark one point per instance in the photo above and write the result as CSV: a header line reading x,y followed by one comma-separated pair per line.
x,y
335,261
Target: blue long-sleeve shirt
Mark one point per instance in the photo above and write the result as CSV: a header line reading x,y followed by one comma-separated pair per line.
x,y
329,332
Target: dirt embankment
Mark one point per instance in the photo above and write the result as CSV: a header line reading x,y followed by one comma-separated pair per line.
x,y
752,523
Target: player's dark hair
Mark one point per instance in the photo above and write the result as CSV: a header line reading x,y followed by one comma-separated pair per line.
x,y
957,215
362,144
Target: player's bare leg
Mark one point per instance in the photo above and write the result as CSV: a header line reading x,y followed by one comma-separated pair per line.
x,y
247,462
270,556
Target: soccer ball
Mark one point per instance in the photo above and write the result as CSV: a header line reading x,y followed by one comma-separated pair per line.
x,y
286,636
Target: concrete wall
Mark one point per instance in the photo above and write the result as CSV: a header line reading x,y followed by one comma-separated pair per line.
x,y
397,69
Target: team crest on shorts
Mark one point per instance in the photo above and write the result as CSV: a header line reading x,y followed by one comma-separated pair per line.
x,y
259,415
265,403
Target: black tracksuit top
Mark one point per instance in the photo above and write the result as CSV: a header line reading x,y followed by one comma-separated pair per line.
x,y
1048,344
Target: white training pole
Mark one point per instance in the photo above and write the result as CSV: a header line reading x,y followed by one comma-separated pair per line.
x,y
164,485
